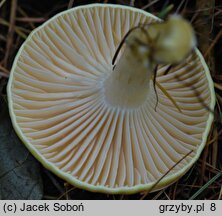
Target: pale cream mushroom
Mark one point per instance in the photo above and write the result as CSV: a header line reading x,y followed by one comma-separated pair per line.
x,y
68,111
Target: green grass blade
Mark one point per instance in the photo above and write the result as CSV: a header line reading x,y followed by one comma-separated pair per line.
x,y
206,186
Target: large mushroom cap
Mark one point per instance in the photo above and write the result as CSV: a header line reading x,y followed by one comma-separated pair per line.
x,y
58,106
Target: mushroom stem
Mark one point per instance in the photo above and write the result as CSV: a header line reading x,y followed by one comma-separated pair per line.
x,y
128,84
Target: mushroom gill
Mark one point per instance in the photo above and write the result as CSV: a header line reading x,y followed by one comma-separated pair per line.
x,y
59,108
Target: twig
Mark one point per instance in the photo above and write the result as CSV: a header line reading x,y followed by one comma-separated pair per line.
x,y
206,30
203,165
2,38
4,75
122,197
180,6
183,12
218,86
54,181
24,14
2,3
158,195
5,23
149,4
4,69
220,195
217,76
132,3
158,181
215,148
64,194
66,185
209,167
213,44
215,138
10,31
166,195
169,96
174,191
199,186
19,30
71,2
31,19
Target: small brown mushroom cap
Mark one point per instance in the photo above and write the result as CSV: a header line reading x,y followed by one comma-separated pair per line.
x,y
58,108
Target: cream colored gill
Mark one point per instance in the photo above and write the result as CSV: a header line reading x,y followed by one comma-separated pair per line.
x,y
59,109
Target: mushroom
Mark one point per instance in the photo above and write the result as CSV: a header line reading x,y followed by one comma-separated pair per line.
x,y
79,118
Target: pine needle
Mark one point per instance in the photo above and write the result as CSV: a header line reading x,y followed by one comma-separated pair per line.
x,y
168,95
218,175
218,86
158,181
2,3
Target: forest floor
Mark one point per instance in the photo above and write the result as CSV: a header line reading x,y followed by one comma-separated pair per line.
x,y
204,180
